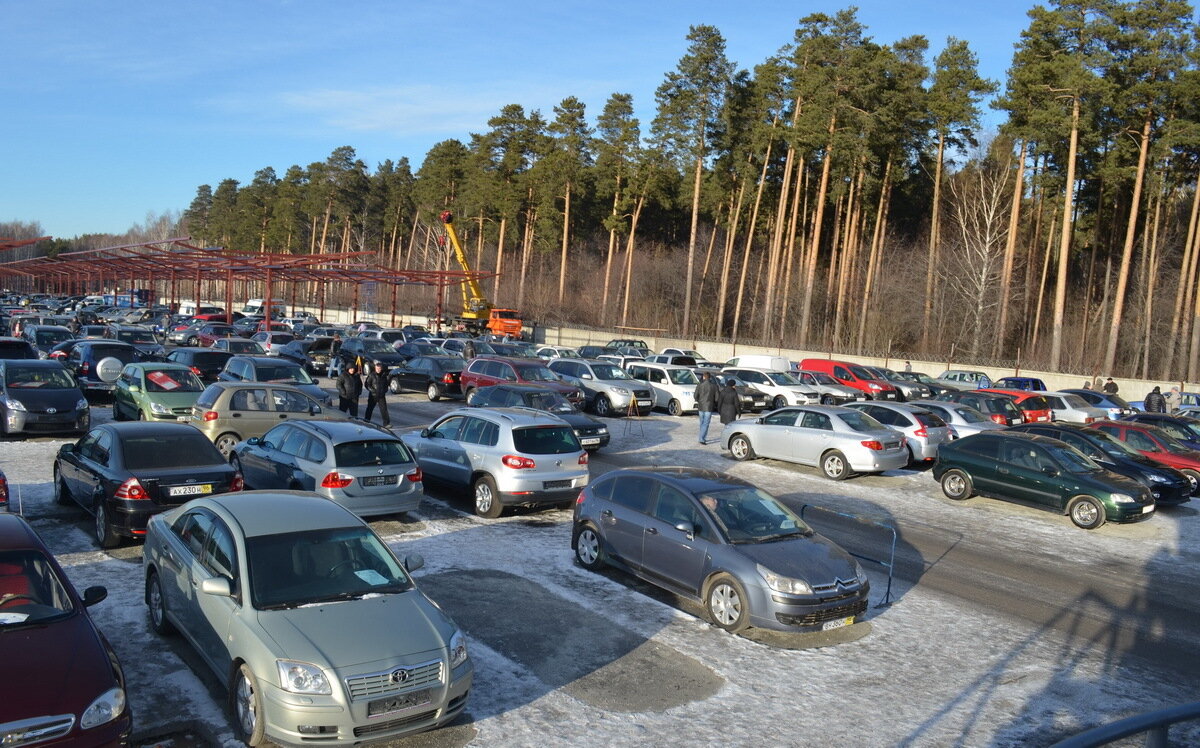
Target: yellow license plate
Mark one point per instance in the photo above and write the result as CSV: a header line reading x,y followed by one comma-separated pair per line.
x,y
837,623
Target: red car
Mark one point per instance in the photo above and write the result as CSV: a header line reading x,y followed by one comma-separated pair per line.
x,y
212,331
66,685
1156,444
1035,407
489,370
853,375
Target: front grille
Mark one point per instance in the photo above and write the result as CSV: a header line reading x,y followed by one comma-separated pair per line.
x,y
643,394
589,431
856,608
35,730
379,684
393,724
841,584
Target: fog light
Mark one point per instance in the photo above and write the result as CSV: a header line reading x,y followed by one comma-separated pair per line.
x,y
316,729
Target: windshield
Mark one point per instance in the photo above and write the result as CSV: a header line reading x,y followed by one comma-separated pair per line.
x,y
177,450
391,336
282,374
423,349
863,372
1114,446
177,380
135,336
782,377
682,376
375,345
924,378
33,592
1172,444
551,401
536,374
373,452
749,515
608,371
1074,401
52,337
39,379
300,568
861,422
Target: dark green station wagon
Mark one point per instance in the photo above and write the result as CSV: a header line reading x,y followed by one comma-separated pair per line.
x,y
1039,471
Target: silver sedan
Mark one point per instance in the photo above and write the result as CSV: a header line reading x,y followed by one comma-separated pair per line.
x,y
962,420
923,430
840,441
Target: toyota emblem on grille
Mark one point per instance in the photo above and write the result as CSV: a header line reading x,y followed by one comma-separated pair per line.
x,y
399,676
381,471
51,411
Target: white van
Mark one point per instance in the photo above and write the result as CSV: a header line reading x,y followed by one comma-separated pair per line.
x,y
255,307
761,361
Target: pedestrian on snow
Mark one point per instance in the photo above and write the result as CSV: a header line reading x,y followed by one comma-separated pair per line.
x,y
729,405
1155,402
706,403
1174,400
469,350
908,366
349,389
335,362
1087,384
377,386
1111,388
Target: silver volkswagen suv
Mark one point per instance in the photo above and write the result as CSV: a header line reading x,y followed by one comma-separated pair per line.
x,y
606,387
506,456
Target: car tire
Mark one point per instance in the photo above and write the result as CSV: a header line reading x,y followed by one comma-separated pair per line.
x,y
834,465
827,399
740,447
225,443
675,408
394,386
117,414
957,485
106,536
1194,476
726,604
469,395
589,551
487,498
156,606
1086,512
61,495
779,402
192,342
433,393
602,406
247,707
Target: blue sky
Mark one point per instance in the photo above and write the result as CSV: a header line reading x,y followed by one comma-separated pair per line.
x,y
116,110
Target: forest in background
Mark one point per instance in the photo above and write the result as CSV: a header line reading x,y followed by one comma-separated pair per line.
x,y
839,196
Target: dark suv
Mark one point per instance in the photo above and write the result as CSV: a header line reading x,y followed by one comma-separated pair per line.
x,y
204,362
16,348
98,363
485,372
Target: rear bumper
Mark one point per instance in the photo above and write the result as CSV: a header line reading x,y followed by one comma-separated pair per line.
x,y
876,461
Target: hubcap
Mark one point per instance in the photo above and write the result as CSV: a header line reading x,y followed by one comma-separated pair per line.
x,y
738,448
156,603
245,705
483,497
588,547
725,603
101,521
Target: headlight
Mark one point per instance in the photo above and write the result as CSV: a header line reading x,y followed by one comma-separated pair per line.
x,y
458,649
1156,478
82,404
301,677
784,584
859,573
160,409
12,404
620,391
602,430
1123,498
107,707
873,386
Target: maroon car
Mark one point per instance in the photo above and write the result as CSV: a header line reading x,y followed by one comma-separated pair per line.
x,y
488,370
66,686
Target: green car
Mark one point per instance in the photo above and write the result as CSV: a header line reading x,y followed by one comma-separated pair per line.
x,y
1039,471
155,391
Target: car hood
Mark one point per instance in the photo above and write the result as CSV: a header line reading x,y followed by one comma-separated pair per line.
x,y
841,389
40,400
386,626
815,559
576,419
61,667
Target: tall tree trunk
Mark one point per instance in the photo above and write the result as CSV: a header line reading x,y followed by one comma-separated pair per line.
x,y
750,229
793,231
1037,315
1183,289
727,260
1114,330
1010,252
876,252
499,259
818,219
629,245
935,217
692,237
1064,245
562,266
1151,277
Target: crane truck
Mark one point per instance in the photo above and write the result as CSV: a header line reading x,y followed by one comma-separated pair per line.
x,y
478,314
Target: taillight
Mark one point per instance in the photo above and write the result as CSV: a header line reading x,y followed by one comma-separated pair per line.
x,y
1088,419
334,479
196,370
448,379
238,483
579,498
3,491
517,462
85,367
1000,419
415,475
583,458
131,489
211,415
872,444
921,432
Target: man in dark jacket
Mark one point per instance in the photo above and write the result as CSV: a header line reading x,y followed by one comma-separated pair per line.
x,y
1155,402
728,402
1110,387
349,388
377,387
706,403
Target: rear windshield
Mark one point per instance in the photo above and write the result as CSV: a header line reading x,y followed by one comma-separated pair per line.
x,y
861,422
930,420
371,452
16,349
1035,403
169,451
391,337
243,346
375,345
449,364
282,374
208,398
682,376
126,355
52,337
210,359
545,440
41,378
970,415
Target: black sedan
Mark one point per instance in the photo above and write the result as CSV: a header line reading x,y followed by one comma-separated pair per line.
x,y
366,351
123,473
436,376
413,349
40,397
592,434
752,400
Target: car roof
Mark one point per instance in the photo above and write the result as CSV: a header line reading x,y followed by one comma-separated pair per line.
x,y
515,417
17,535
265,360
32,363
1064,425
149,428
1010,434
692,479
346,431
276,512
161,365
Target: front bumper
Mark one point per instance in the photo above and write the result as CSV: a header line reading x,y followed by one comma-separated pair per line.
x,y
1129,512
27,422
798,613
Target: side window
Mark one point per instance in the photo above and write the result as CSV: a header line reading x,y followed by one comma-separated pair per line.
x,y
492,369
657,376
1083,445
781,418
87,446
449,428
472,430
220,557
842,372
983,446
295,443
1055,402
675,508
634,492
490,435
637,372
513,398
292,402
883,415
103,446
1138,440
753,377
816,421
316,451
249,399
196,532
276,436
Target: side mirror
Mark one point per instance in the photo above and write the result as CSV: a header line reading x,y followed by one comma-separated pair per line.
x,y
1050,470
426,433
413,561
66,449
585,375
687,528
254,441
217,586
93,595
134,388
314,409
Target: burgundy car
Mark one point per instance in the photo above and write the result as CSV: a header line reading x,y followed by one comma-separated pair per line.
x,y
65,684
488,370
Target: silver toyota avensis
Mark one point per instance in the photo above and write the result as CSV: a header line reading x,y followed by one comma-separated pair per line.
x,y
319,631
719,540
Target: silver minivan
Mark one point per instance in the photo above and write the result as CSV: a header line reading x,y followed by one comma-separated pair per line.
x,y
506,456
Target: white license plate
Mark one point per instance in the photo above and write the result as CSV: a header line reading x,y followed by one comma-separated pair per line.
x,y
644,403
183,419
837,623
1147,509
197,490
590,440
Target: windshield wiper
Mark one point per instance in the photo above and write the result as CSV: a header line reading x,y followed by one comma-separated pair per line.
x,y
782,535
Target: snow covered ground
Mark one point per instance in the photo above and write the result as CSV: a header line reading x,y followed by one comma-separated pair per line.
x,y
605,660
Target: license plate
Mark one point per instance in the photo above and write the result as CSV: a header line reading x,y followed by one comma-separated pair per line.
x,y
183,419
197,490
378,480
396,703
556,484
1147,509
590,440
644,403
837,623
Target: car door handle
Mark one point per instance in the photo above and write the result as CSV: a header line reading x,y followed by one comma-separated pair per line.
x,y
235,415
1002,470
651,530
283,415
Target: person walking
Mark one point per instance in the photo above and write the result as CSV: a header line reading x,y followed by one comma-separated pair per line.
x,y
468,350
377,386
729,405
1174,400
1155,402
1087,384
335,361
706,403
349,389
908,366
1111,388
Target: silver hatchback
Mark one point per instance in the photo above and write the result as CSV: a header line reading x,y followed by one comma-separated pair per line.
x,y
962,420
923,430
506,456
841,441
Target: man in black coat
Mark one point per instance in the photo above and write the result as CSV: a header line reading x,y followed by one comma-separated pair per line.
x,y
377,386
706,403
1155,402
349,389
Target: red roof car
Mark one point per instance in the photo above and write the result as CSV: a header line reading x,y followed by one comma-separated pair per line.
x,y
66,686
1034,406
1154,443
489,370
